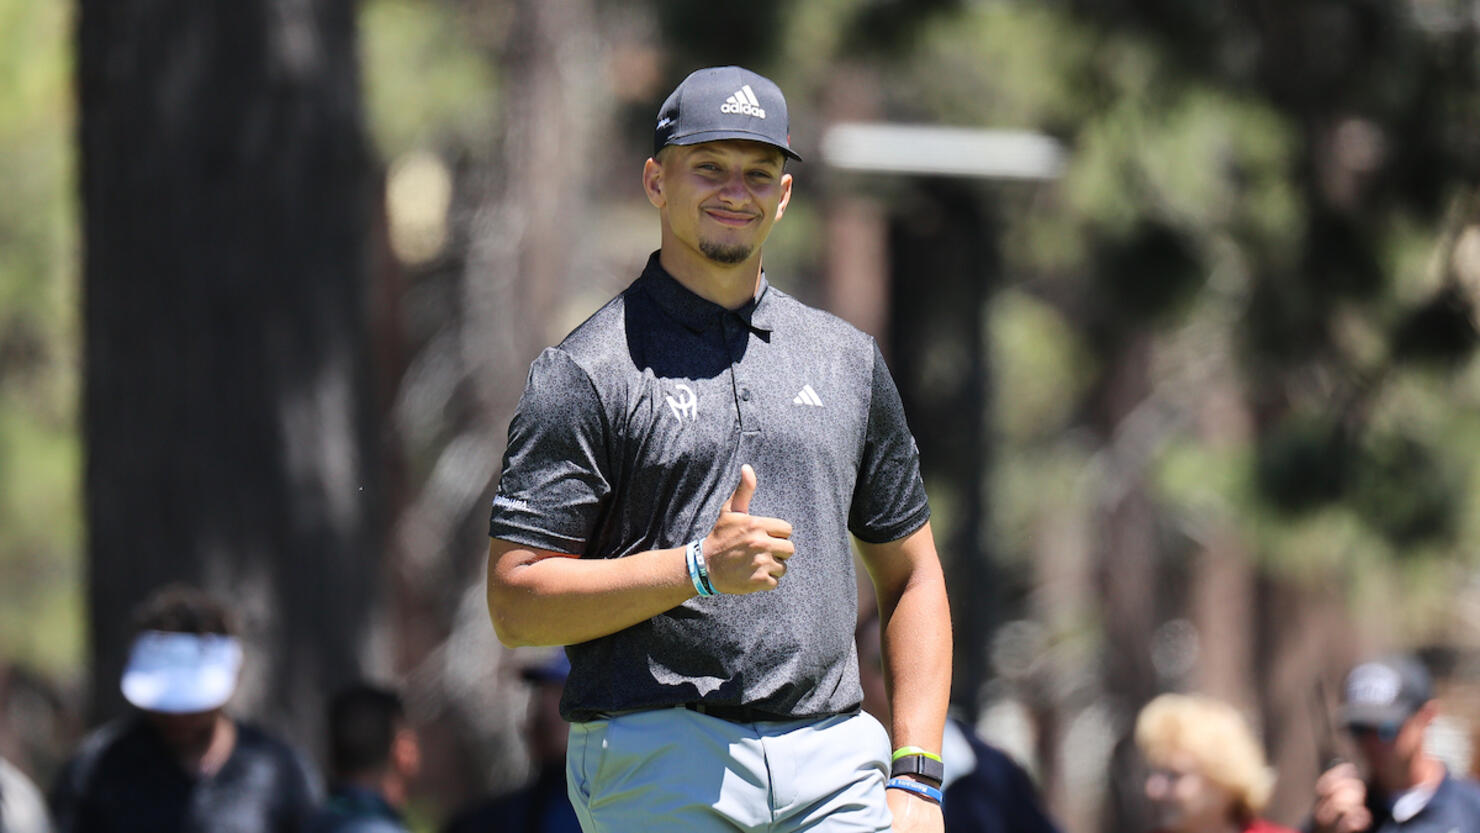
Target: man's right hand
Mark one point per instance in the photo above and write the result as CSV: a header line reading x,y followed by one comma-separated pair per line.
x,y
746,553
1341,801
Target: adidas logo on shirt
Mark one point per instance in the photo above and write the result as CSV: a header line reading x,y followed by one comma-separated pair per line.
x,y
807,396
743,103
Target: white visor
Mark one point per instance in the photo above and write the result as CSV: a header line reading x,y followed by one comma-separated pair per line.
x,y
181,673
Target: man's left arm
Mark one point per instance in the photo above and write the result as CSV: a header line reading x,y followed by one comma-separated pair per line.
x,y
915,630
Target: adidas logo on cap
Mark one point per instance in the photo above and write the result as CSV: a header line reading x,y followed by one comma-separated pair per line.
x,y
743,103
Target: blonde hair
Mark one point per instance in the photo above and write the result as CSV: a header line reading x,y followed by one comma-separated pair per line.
x,y
1216,736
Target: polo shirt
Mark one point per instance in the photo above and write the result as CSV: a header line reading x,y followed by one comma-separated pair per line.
x,y
630,436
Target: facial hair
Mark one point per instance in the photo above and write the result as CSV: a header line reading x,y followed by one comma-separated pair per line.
x,y
726,254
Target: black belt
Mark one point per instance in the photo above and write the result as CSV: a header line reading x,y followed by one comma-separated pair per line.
x,y
736,714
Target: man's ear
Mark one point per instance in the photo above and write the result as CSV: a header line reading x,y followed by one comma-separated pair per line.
x,y
1427,712
652,182
406,752
785,195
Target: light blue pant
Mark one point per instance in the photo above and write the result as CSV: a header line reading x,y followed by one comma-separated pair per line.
x,y
681,771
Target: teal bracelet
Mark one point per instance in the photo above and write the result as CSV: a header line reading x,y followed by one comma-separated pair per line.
x,y
698,546
922,790
694,556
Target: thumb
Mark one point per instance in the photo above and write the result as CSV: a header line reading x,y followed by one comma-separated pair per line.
x,y
740,500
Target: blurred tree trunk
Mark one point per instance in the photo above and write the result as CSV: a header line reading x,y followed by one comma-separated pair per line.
x,y
940,240
228,412
1126,553
526,229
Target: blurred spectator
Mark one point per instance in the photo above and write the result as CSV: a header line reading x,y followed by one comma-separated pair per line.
x,y
1387,709
179,764
986,791
374,756
1207,770
22,810
543,806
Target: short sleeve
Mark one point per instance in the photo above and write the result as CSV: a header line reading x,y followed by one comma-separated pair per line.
x,y
554,482
889,498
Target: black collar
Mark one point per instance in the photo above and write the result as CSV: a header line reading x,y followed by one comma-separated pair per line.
x,y
699,314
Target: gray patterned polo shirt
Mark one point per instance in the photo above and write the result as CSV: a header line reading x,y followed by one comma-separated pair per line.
x,y
630,437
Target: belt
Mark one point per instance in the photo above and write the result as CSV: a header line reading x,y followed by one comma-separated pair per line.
x,y
736,714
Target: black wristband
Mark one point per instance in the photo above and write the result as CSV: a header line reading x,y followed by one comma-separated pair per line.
x,y
920,766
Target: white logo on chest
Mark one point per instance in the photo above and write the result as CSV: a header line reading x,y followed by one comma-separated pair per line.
x,y
687,404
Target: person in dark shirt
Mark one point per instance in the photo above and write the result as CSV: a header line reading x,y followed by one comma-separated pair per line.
x,y
1388,707
375,757
543,805
985,790
179,763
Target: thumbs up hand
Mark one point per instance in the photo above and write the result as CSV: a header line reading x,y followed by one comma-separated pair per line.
x,y
746,553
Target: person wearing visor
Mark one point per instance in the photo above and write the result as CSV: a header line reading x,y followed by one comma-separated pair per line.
x,y
1388,707
179,762
682,476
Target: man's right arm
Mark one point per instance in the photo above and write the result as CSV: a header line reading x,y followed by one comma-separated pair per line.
x,y
1341,802
543,597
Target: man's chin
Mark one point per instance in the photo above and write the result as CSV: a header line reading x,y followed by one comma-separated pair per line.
x,y
727,254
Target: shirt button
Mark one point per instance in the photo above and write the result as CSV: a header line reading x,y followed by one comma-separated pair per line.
x,y
745,394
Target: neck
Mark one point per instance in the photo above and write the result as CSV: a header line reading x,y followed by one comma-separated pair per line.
x,y
1424,771
1427,771
730,285
386,784
209,759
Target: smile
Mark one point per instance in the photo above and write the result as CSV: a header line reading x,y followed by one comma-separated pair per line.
x,y
729,218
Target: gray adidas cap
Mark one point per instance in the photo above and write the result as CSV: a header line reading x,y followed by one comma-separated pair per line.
x,y
721,103
1385,691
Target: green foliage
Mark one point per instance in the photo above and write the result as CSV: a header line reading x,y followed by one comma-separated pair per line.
x,y
1040,368
1274,248
40,535
427,82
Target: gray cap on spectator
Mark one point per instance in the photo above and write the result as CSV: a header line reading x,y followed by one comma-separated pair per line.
x,y
1385,691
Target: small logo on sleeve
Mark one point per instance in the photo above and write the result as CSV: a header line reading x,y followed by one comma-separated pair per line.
x,y
686,405
510,503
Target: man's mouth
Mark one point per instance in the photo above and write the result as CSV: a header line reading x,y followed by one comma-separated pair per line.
x,y
729,218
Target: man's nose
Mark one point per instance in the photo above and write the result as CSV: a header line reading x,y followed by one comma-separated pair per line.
x,y
733,190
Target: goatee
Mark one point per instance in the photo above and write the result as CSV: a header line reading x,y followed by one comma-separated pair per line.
x,y
721,253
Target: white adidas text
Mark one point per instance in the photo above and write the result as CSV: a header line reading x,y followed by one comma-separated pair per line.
x,y
743,103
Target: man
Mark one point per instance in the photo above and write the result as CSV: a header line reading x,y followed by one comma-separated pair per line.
x,y
180,763
1388,707
375,756
985,790
542,806
681,477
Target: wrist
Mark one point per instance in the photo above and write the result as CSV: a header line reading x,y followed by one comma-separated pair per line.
x,y
917,764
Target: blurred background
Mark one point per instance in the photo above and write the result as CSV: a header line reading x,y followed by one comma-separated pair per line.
x,y
1181,297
